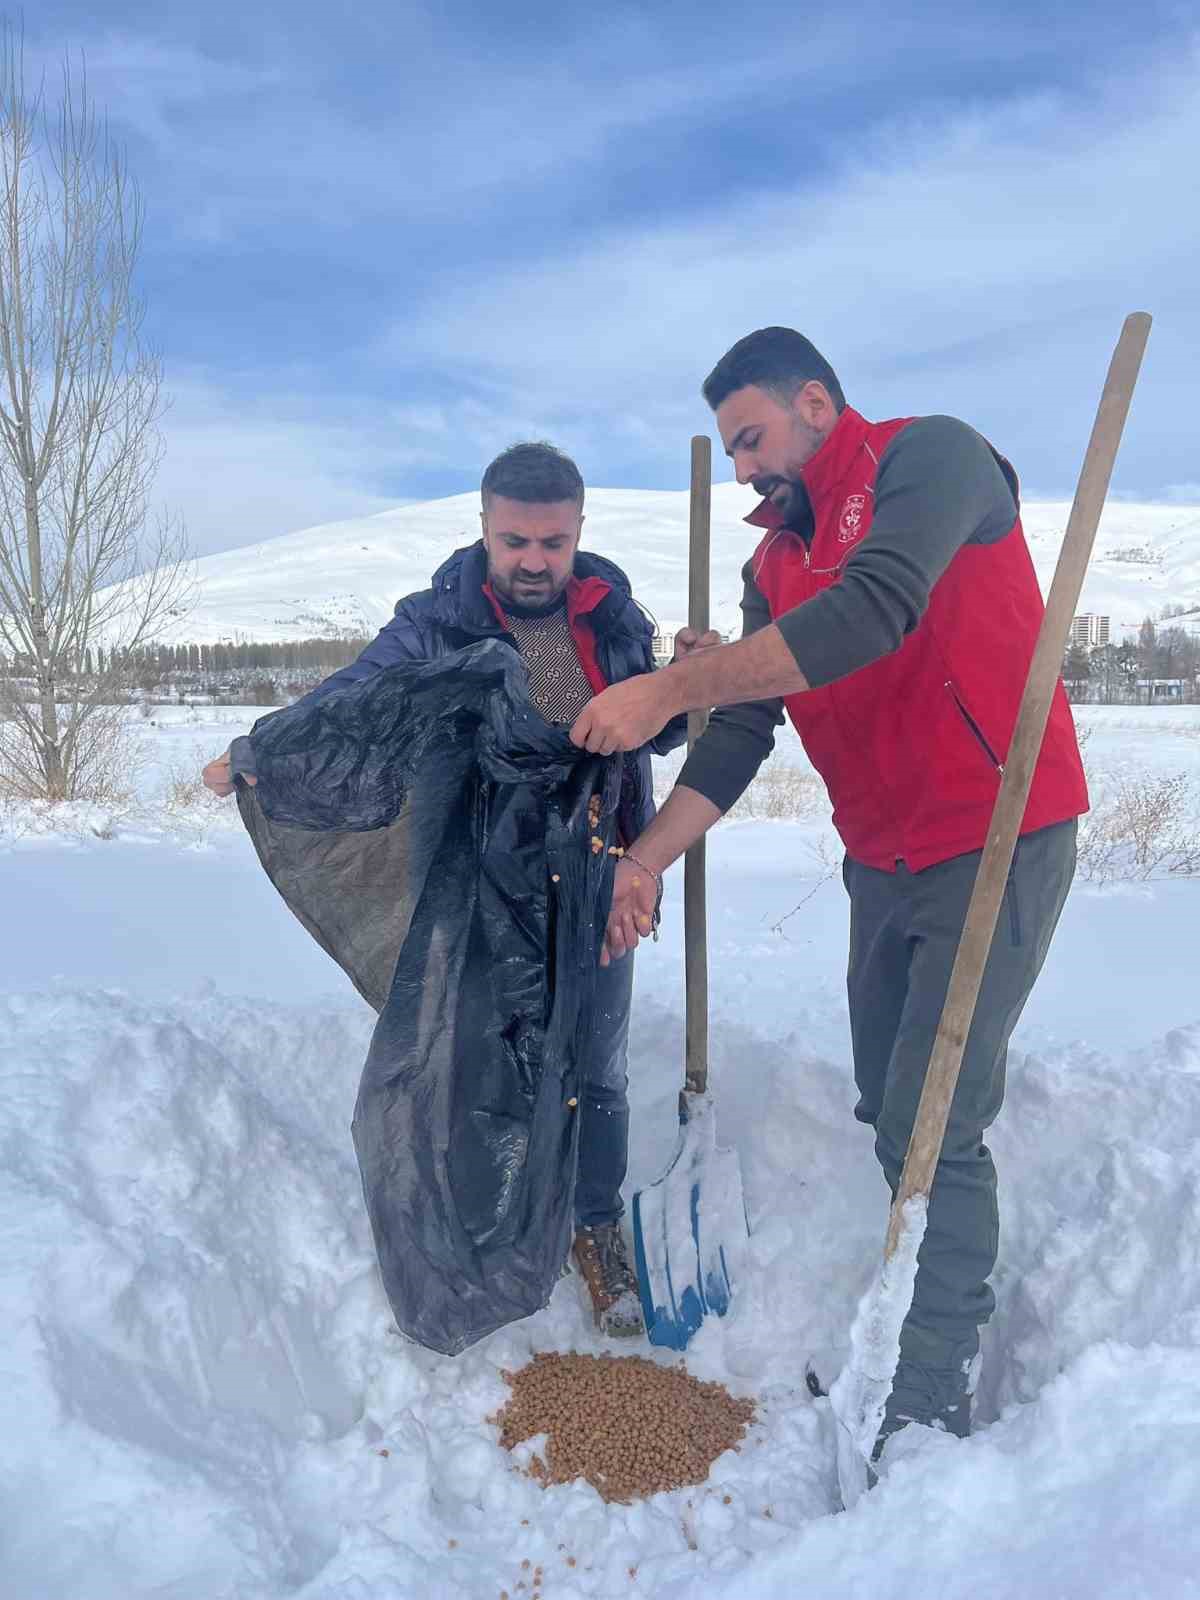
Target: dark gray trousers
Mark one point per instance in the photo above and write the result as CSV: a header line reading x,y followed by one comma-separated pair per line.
x,y
904,931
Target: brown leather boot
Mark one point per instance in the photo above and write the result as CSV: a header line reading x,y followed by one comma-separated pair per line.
x,y
602,1257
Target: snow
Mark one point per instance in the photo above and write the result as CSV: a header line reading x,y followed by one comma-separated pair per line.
x,y
202,1396
860,1393
345,577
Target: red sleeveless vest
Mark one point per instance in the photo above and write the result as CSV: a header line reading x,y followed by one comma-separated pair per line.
x,y
912,747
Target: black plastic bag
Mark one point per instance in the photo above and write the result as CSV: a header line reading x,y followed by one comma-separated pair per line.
x,y
449,849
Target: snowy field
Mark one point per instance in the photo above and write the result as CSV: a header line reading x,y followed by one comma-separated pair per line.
x,y
201,1395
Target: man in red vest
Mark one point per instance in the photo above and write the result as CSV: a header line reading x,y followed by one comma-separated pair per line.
x,y
891,609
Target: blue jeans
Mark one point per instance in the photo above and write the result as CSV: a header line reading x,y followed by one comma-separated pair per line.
x,y
604,1106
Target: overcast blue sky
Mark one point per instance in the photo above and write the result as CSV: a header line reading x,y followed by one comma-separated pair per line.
x,y
385,240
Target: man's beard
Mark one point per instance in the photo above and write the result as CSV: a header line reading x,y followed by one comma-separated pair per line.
x,y
534,601
788,496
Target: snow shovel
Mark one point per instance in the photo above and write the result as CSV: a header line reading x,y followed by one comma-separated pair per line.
x,y
687,1227
861,1391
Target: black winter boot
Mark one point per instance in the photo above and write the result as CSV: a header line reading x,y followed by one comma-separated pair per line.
x,y
931,1397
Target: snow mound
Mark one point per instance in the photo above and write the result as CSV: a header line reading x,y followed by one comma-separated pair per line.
x,y
205,1399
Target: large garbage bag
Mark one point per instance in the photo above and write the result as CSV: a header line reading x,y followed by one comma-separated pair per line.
x,y
449,849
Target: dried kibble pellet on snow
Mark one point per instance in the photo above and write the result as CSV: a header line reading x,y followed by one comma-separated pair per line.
x,y
630,1427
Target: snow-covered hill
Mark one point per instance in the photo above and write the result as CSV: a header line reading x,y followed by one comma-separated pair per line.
x,y
348,575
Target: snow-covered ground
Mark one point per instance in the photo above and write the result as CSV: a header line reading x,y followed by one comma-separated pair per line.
x,y
200,1391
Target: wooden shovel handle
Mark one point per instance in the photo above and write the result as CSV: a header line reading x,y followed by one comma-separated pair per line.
x,y
925,1145
695,915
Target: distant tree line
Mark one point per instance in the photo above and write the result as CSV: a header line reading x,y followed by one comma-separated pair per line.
x,y
324,655
1112,674
245,673
1161,667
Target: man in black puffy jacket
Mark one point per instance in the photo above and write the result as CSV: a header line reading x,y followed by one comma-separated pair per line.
x,y
573,618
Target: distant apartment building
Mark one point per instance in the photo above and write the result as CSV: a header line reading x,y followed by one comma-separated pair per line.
x,y
1089,630
662,646
663,643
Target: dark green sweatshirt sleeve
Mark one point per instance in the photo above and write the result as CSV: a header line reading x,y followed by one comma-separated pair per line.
x,y
738,738
940,485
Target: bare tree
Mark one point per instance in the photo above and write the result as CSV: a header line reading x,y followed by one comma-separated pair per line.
x,y
1077,671
82,563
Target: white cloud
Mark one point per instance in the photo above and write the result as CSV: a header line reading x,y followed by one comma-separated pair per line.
x,y
237,473
971,261
245,145
243,462
973,257
147,81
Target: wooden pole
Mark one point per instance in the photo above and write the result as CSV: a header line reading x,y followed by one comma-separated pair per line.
x,y
925,1145
695,914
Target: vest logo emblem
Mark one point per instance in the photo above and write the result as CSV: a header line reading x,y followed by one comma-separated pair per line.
x,y
850,525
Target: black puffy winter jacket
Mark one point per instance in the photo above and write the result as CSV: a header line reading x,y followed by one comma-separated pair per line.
x,y
455,611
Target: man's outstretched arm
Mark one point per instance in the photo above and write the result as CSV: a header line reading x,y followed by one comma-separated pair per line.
x,y
761,667
403,638
720,768
940,486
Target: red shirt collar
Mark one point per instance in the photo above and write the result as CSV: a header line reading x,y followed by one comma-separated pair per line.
x,y
825,470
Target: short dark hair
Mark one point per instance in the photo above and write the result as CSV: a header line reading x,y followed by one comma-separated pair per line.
x,y
535,473
779,360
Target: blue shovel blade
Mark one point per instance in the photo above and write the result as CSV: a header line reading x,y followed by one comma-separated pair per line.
x,y
686,1229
